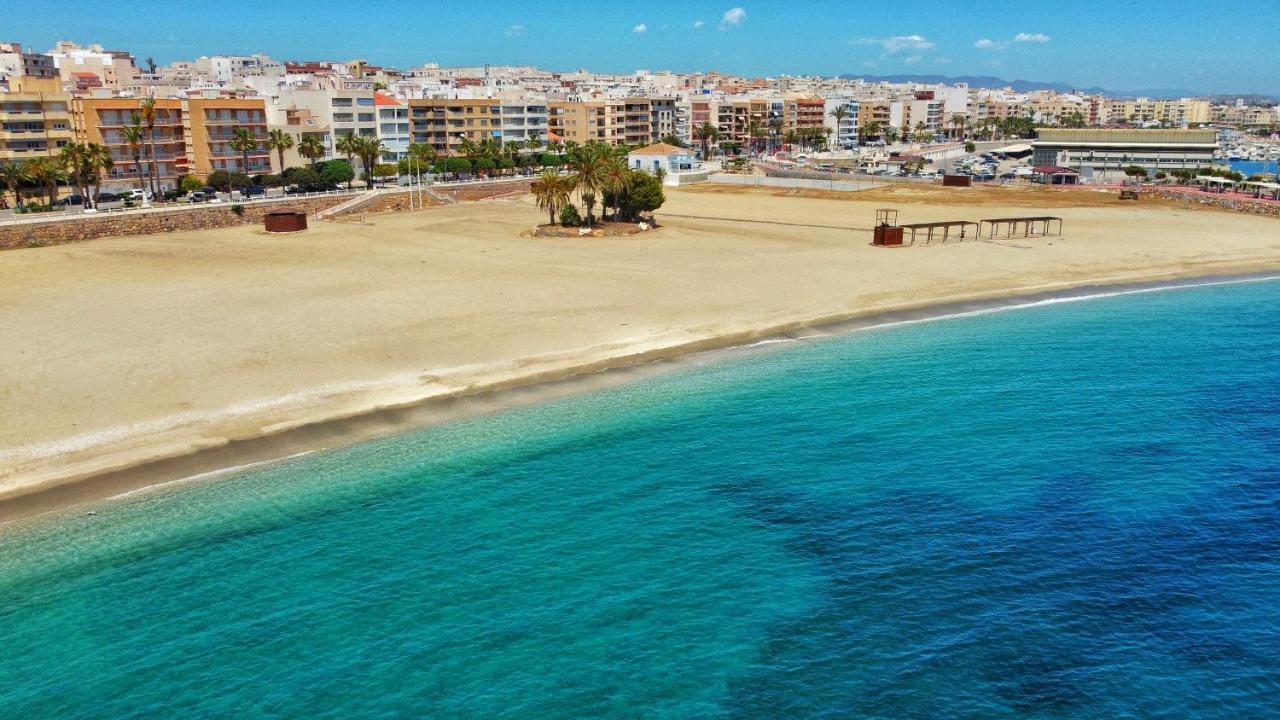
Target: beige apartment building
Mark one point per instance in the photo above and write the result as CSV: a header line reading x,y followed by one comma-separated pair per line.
x,y
445,124
583,122
35,119
208,125
101,120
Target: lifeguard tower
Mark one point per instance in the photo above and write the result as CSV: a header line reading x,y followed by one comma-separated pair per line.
x,y
887,233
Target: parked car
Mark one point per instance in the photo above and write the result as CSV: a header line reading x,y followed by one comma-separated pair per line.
x,y
107,197
1008,176
71,200
136,195
252,191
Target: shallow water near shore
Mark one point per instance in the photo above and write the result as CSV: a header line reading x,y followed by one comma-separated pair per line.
x,y
1064,511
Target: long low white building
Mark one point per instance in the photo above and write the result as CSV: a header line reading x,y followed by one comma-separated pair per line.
x,y
1104,154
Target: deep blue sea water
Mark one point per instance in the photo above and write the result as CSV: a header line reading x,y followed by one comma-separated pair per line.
x,y
1068,511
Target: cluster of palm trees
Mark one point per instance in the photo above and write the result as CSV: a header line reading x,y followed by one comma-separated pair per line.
x,y
79,165
598,173
366,147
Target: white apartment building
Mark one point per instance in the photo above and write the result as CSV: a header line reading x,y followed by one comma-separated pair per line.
x,y
522,118
393,127
845,132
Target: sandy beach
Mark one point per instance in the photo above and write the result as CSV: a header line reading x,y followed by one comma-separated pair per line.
x,y
121,355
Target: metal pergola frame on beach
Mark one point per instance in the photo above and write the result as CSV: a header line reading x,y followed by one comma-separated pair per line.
x,y
945,226
1010,225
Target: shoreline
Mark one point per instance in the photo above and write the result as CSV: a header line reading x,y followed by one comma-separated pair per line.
x,y
148,472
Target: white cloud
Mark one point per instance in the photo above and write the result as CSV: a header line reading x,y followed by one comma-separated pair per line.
x,y
515,31
914,44
1031,37
732,17
639,28
989,44
698,23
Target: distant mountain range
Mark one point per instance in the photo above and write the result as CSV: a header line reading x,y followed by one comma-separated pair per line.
x,y
995,83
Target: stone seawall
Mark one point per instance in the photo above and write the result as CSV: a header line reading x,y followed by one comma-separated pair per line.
x,y
207,217
399,202
1224,202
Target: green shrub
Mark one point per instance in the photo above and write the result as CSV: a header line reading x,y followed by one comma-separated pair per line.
x,y
569,216
238,210
190,183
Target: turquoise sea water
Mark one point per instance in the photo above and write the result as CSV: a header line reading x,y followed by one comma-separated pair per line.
x,y
1069,511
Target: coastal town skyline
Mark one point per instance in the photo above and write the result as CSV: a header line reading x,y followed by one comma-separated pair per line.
x,y
1039,44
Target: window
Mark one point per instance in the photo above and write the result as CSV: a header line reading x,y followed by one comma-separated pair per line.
x,y
364,102
342,102
343,117
366,117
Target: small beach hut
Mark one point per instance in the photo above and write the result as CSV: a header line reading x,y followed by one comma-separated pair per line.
x,y
1055,175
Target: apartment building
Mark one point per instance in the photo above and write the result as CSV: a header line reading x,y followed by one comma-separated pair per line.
x,y
101,120
582,122
445,123
15,62
114,68
874,112
328,113
805,111
208,124
522,119
1165,112
35,118
844,131
393,127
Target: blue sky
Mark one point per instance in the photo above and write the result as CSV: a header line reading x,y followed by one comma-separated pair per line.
x,y
1206,45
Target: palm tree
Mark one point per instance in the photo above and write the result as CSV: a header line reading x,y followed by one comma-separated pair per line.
x,y
755,132
706,133
870,128
244,142
13,174
279,140
369,149
775,130
552,190
347,145
311,148
791,137
132,136
840,113
46,172
617,181
98,161
147,110
74,157
591,173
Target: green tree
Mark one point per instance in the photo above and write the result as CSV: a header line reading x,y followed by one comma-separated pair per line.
x,y
590,165
644,194
244,142
368,148
190,183
279,141
349,146
706,133
336,172
150,115
551,191
840,113
311,148
132,136
13,174
46,172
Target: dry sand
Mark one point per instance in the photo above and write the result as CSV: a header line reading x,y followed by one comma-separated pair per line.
x,y
119,352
